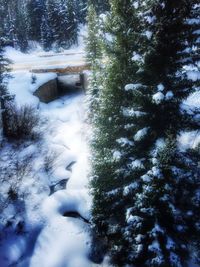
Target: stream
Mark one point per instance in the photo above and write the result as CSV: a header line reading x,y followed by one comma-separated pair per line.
x,y
65,239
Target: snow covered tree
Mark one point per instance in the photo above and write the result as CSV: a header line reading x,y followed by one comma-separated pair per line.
x,y
101,5
192,54
145,187
4,19
54,20
110,128
72,29
81,10
53,13
5,97
94,58
9,11
46,34
35,10
63,22
163,219
21,33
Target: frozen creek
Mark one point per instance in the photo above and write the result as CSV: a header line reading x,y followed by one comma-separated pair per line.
x,y
64,241
55,236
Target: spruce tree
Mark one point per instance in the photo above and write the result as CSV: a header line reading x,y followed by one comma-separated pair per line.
x,y
163,218
72,29
81,10
4,19
46,34
35,9
110,128
21,33
63,22
54,18
145,187
94,58
101,6
5,97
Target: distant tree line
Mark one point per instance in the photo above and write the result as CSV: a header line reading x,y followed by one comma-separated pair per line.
x,y
49,22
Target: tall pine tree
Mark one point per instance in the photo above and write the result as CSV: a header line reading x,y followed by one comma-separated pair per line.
x,y
145,187
94,58
21,32
46,34
101,6
5,97
110,128
164,205
35,9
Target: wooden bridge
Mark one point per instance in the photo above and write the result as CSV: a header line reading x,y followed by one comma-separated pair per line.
x,y
64,70
69,80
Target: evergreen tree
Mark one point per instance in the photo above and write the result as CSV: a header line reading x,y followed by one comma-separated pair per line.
x,y
7,23
101,6
35,9
192,54
94,58
46,34
5,97
63,22
72,28
47,22
145,187
81,10
110,128
163,218
21,33
3,21
53,11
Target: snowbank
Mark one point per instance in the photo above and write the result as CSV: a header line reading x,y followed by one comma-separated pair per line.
x,y
21,85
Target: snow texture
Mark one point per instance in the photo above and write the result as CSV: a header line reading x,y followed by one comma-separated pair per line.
x,y
141,134
22,87
61,241
131,86
158,97
160,87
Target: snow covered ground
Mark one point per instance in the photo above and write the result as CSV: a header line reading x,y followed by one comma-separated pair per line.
x,y
22,87
65,240
51,238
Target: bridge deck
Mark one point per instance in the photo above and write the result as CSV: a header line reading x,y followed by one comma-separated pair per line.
x,y
64,70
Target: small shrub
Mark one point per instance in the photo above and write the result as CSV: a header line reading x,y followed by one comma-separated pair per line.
x,y
21,122
12,194
14,170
